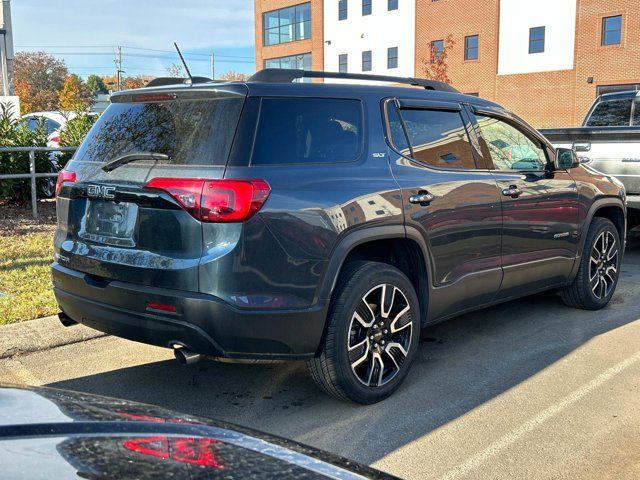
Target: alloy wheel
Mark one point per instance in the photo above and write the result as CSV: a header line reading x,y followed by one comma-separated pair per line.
x,y
603,264
380,335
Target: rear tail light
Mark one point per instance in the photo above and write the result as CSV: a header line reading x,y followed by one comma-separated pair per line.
x,y
55,139
64,176
225,200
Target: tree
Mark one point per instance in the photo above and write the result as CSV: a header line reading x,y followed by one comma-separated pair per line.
x,y
110,82
74,96
175,71
96,85
435,67
135,82
38,78
233,76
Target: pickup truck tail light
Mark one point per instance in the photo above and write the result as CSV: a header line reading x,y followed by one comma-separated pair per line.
x,y
216,200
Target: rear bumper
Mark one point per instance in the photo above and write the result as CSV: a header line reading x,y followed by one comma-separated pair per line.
x,y
202,323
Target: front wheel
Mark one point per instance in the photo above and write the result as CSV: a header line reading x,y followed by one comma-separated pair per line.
x,y
599,268
372,334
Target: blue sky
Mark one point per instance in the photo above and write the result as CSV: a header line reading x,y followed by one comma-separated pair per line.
x,y
85,32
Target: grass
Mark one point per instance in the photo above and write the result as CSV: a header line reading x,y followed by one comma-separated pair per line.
x,y
26,251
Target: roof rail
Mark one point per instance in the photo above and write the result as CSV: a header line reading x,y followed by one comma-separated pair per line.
x,y
162,81
284,75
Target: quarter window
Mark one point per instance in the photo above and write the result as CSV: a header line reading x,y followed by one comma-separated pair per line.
x,y
342,10
509,147
287,24
343,63
471,47
366,61
612,113
308,130
612,30
436,138
366,7
536,39
392,57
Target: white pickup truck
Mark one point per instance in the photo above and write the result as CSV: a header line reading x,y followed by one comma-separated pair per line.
x,y
609,141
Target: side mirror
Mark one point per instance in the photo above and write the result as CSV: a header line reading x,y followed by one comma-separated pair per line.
x,y
566,159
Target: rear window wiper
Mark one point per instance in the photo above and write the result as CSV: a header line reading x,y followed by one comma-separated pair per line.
x,y
133,157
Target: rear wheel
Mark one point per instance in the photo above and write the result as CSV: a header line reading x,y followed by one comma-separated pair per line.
x,y
372,334
599,269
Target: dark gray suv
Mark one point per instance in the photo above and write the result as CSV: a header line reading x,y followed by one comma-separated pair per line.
x,y
275,219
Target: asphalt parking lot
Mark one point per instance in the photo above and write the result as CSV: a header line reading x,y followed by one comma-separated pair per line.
x,y
529,389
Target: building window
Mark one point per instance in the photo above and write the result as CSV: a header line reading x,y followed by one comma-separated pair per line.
x,y
392,5
392,57
437,47
366,61
298,62
471,47
536,39
366,7
342,10
287,24
612,30
343,63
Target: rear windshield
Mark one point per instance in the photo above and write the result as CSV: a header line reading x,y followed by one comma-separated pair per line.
x,y
190,132
308,130
612,113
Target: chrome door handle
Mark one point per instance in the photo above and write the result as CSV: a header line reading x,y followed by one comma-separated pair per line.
x,y
422,198
513,191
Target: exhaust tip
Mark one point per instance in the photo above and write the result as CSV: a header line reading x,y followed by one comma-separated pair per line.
x,y
66,320
185,357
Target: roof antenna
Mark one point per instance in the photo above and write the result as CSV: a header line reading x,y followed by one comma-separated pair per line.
x,y
183,63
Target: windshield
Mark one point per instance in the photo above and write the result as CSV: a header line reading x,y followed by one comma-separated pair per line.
x,y
190,132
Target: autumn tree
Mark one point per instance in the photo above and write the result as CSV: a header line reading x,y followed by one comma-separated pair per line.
x,y
38,77
233,76
74,96
435,67
135,82
96,85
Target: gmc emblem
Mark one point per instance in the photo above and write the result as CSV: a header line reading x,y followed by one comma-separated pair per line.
x,y
100,191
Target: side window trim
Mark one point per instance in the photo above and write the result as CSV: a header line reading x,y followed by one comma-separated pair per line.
x,y
426,105
509,120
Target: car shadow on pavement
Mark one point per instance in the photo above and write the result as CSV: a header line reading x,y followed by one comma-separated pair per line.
x,y
461,364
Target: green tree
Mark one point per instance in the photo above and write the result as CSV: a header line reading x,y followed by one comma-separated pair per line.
x,y
38,78
96,85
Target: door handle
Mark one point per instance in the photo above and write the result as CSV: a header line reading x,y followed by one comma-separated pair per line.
x,y
423,198
513,191
581,146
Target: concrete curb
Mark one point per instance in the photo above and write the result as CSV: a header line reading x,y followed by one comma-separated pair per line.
x,y
41,334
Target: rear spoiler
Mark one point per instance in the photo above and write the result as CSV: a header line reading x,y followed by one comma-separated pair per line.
x,y
163,81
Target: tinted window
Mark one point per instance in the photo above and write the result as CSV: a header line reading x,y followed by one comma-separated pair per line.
x,y
438,138
612,30
52,126
32,123
343,63
536,39
613,113
191,132
471,47
308,130
366,61
287,24
509,147
342,10
398,138
392,57
636,114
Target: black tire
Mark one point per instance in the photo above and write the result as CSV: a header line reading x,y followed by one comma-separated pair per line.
x,y
392,333
587,290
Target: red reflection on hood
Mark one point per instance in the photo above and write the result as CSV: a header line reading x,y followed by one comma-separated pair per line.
x,y
195,451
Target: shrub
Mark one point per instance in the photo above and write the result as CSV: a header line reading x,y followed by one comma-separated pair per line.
x,y
14,133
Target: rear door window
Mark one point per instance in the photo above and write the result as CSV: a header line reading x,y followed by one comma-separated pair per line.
x,y
612,113
437,138
190,132
308,131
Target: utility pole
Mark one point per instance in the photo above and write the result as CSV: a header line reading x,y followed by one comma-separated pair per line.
x,y
6,48
119,69
213,66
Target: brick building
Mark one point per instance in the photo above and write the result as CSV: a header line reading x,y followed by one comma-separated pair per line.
x,y
547,60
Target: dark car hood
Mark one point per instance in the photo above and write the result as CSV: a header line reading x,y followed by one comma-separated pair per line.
x,y
48,433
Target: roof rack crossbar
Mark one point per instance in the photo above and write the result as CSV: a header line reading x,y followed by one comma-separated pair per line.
x,y
284,75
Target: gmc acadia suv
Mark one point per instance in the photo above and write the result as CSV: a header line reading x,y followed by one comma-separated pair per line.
x,y
275,219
